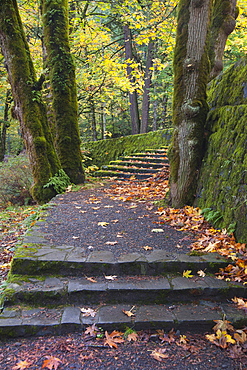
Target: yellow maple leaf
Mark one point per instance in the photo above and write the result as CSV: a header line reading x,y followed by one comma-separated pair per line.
x,y
187,274
103,224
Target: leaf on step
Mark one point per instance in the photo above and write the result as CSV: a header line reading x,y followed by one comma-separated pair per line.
x,y
113,339
128,313
88,312
187,274
241,303
91,279
110,277
201,273
157,230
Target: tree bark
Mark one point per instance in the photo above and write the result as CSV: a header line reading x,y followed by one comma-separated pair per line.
x,y
133,98
222,25
29,107
191,69
146,90
63,85
4,125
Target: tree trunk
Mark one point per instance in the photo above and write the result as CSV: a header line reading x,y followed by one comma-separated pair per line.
x,y
191,69
5,124
93,120
223,23
146,90
63,85
29,107
133,99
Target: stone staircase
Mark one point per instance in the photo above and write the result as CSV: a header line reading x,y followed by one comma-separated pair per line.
x,y
55,290
139,166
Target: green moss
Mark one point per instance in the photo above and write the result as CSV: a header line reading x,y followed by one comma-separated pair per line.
x,y
104,151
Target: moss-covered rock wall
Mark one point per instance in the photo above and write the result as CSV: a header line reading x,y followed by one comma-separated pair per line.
x,y
104,151
223,179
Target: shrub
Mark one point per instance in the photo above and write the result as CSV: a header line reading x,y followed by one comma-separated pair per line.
x,y
15,179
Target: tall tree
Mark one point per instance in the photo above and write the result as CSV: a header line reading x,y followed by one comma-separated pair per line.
x,y
63,85
133,97
29,107
196,19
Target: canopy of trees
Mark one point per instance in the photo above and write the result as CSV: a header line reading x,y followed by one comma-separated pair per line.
x,y
96,69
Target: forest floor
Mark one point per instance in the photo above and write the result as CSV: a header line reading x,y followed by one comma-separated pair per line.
x,y
142,205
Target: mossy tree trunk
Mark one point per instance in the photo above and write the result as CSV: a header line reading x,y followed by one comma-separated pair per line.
x,y
63,85
223,23
191,70
202,31
29,107
4,124
146,88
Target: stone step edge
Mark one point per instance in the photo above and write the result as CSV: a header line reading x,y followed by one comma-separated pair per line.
x,y
138,164
144,159
52,259
197,318
59,290
112,174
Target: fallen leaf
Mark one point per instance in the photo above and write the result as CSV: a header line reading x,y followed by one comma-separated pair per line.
x,y
241,303
88,312
22,365
113,339
187,274
111,243
159,354
110,277
128,313
91,279
115,221
103,224
223,325
75,237
147,248
157,231
91,330
51,363
95,208
132,337
201,273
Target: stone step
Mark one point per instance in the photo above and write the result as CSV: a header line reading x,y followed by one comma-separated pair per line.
x,y
130,169
37,256
137,164
162,160
121,175
56,291
195,317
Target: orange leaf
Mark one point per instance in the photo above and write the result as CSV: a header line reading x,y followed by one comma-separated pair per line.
x,y
113,339
22,365
51,363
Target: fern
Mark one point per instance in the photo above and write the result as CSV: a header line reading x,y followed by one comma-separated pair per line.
x,y
60,181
